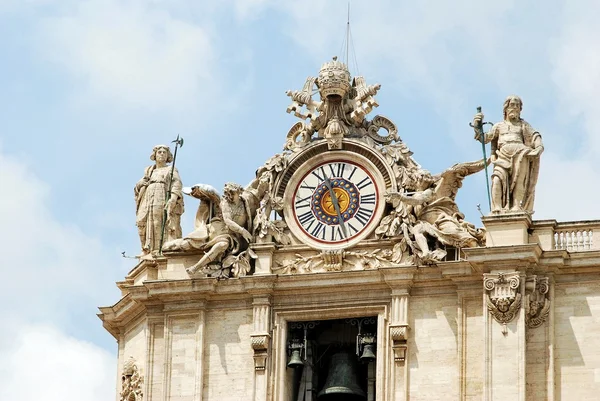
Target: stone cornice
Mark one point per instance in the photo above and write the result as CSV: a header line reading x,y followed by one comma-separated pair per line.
x,y
509,256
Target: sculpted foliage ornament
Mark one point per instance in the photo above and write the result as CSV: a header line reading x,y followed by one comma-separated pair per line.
x,y
329,261
502,295
131,382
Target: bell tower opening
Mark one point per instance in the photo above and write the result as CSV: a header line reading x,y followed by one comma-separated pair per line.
x,y
332,360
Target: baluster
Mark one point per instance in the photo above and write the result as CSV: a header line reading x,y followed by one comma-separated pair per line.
x,y
579,241
561,238
556,244
586,240
591,239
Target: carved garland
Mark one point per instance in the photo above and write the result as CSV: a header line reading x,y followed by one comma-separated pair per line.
x,y
131,382
329,261
502,297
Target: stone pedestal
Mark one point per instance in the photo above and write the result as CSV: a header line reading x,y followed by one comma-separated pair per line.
x,y
507,229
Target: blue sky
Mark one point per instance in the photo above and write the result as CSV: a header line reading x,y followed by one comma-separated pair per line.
x,y
89,87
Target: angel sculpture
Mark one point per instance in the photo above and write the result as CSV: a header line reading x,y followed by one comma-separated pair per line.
x,y
429,210
221,230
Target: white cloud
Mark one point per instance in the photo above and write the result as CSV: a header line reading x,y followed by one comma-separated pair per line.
x,y
132,53
53,274
42,363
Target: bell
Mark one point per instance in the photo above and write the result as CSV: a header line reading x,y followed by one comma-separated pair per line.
x,y
342,379
367,354
295,360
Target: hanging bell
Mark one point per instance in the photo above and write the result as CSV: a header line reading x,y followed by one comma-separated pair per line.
x,y
342,379
367,354
295,360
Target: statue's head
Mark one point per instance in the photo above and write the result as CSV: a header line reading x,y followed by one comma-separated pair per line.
x,y
417,180
512,107
161,152
231,189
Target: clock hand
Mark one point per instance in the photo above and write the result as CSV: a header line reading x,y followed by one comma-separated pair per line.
x,y
336,204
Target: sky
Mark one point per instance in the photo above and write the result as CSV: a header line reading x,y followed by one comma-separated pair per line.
x,y
89,87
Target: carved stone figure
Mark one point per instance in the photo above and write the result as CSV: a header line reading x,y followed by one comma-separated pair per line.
x,y
131,382
538,305
429,211
516,150
221,230
150,198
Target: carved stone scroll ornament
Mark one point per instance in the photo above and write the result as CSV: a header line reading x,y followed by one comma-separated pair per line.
x,y
399,337
538,304
260,345
379,122
503,298
131,382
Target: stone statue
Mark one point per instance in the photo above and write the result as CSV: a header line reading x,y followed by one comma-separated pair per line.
x,y
516,150
428,211
150,199
221,231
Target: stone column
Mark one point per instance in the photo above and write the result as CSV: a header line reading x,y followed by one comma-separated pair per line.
x,y
505,329
261,344
155,352
399,335
400,282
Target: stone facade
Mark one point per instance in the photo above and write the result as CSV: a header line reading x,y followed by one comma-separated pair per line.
x,y
368,268
204,339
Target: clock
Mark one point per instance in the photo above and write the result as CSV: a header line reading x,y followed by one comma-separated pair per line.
x,y
334,200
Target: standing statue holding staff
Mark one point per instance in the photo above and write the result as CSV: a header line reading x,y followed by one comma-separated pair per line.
x,y
159,202
516,150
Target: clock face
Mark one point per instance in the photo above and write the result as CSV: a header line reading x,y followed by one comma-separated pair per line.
x,y
335,203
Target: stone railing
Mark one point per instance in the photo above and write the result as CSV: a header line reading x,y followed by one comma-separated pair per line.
x,y
580,240
574,236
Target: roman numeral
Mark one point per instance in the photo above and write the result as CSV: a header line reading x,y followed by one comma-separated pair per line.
x,y
337,169
336,233
363,215
306,217
318,176
306,186
303,200
366,199
352,173
364,183
319,230
352,228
